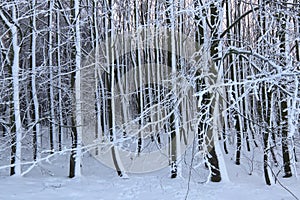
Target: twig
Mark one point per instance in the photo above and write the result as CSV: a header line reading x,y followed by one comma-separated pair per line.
x,y
284,187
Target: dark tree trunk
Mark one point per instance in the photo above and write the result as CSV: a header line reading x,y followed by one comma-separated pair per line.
x,y
12,129
284,142
73,151
74,134
173,153
13,142
212,157
284,105
266,173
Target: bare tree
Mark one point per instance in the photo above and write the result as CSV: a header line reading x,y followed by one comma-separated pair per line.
x,y
75,157
11,22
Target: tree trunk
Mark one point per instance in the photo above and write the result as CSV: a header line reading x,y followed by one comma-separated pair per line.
x,y
213,157
75,158
52,128
58,63
16,119
37,137
171,62
284,103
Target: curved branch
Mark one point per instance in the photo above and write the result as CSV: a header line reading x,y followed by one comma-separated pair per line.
x,y
239,19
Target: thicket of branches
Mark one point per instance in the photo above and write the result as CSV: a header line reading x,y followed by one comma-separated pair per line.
x,y
236,87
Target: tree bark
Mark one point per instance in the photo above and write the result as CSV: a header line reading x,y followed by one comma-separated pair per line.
x,y
75,158
16,119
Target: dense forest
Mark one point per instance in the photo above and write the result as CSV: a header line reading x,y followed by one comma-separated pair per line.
x,y
141,84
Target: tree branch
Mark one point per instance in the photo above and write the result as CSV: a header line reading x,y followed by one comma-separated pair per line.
x,y
239,19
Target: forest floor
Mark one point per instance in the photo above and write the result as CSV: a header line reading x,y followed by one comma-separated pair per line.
x,y
49,181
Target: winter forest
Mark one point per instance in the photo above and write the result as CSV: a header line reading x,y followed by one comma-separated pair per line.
x,y
187,97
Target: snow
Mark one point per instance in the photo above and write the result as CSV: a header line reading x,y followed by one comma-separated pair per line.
x,y
49,181
136,187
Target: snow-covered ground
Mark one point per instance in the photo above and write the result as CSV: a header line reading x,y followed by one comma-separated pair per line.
x,y
50,181
136,187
